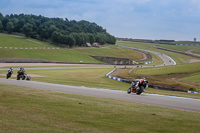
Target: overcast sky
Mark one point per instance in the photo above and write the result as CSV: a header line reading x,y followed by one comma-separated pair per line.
x,y
140,19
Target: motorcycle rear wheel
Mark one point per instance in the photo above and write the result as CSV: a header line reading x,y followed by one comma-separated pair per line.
x,y
7,76
18,77
139,91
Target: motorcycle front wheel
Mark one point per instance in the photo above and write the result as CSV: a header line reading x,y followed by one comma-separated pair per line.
x,y
129,90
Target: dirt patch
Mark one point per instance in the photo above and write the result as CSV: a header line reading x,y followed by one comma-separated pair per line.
x,y
194,60
144,57
32,75
116,72
170,86
189,51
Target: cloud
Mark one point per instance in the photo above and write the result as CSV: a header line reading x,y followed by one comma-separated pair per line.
x,y
154,19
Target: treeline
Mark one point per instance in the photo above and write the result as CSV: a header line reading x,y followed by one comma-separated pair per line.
x,y
58,30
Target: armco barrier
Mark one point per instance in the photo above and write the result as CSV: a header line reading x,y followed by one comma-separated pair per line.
x,y
152,86
193,92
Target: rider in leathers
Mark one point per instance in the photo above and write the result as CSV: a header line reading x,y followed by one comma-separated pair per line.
x,y
22,72
10,71
137,82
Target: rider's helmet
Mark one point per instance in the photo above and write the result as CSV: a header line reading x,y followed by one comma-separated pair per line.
x,y
11,68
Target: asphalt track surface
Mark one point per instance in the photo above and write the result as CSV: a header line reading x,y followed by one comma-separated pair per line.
x,y
188,104
166,59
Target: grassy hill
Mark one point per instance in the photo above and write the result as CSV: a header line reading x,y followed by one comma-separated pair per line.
x,y
12,46
20,47
20,41
111,51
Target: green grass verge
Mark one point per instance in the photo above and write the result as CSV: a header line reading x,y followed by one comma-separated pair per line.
x,y
61,55
81,77
185,68
31,110
194,78
20,41
111,51
47,65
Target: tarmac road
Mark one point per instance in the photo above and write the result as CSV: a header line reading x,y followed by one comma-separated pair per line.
x,y
188,104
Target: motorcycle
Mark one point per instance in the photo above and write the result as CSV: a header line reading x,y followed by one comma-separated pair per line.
x,y
138,86
21,75
9,74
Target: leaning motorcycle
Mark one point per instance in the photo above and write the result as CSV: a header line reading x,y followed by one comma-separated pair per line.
x,y
21,75
9,74
138,86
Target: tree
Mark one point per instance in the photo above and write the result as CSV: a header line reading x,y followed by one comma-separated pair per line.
x,y
4,22
54,36
52,28
9,27
27,29
110,39
78,32
100,38
61,39
77,38
90,38
1,16
70,40
1,27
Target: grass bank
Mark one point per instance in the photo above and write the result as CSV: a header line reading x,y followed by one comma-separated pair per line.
x,y
7,40
55,55
31,110
111,51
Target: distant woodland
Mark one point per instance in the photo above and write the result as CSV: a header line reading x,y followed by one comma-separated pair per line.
x,y
58,30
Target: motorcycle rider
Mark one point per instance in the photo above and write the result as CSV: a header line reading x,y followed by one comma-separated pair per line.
x,y
10,72
139,81
21,72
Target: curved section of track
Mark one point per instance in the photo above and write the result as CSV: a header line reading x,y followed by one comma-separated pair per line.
x,y
188,104
166,59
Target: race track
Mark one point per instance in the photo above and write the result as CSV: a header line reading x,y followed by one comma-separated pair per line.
x,y
188,104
